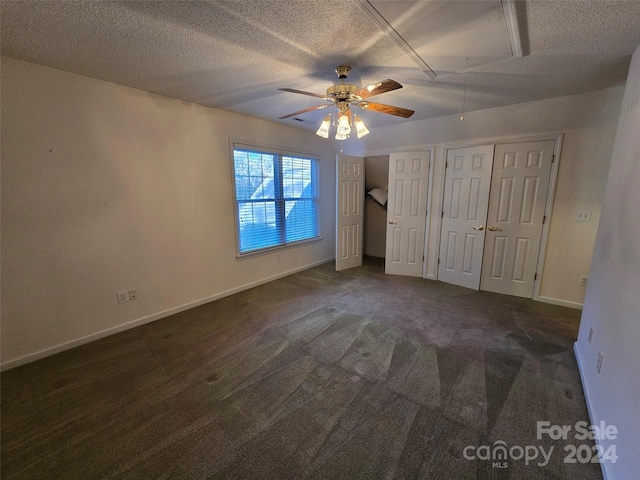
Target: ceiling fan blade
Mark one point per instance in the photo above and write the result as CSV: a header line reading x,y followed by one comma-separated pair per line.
x,y
382,108
310,109
301,92
378,88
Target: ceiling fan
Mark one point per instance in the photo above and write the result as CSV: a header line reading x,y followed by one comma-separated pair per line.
x,y
343,96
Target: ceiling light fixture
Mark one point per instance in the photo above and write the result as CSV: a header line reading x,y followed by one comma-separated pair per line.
x,y
345,120
344,123
361,128
323,131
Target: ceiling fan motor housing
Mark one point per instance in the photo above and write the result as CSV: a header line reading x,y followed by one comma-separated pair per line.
x,y
343,92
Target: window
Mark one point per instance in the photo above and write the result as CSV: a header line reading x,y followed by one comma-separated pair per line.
x,y
276,198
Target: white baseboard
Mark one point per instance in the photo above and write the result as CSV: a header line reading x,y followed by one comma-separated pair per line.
x,y
47,352
593,418
562,303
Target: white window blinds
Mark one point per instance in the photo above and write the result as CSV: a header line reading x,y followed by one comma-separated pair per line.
x,y
276,198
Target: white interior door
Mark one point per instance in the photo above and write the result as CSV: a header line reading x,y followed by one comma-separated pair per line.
x,y
517,203
406,213
349,215
464,213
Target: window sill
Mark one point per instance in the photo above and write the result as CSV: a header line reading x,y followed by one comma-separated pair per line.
x,y
267,251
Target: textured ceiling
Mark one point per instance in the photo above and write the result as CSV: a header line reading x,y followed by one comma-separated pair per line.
x,y
235,54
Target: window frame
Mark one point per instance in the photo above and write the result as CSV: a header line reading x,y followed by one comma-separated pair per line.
x,y
279,199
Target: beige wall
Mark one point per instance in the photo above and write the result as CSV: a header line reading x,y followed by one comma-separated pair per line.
x,y
588,123
612,304
107,188
581,180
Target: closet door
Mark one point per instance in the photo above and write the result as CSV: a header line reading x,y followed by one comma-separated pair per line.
x,y
407,213
349,215
520,184
464,213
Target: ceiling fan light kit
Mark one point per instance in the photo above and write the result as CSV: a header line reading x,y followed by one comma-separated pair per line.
x,y
361,129
344,96
323,131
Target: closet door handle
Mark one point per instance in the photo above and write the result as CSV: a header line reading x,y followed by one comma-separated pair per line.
x,y
393,222
478,227
491,228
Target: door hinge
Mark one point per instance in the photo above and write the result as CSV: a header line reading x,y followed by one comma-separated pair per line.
x,y
438,261
535,276
553,157
544,219
442,214
446,165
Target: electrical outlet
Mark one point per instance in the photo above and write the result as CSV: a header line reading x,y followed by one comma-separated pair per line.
x,y
123,296
583,216
584,280
599,362
133,294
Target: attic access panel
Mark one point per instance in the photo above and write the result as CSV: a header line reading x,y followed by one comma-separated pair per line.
x,y
448,37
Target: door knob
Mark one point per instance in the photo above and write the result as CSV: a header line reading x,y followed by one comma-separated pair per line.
x,y
491,228
478,227
393,222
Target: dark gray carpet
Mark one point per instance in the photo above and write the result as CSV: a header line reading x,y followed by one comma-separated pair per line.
x,y
320,375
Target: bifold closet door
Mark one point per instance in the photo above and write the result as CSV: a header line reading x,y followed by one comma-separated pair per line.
x,y
464,213
519,187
